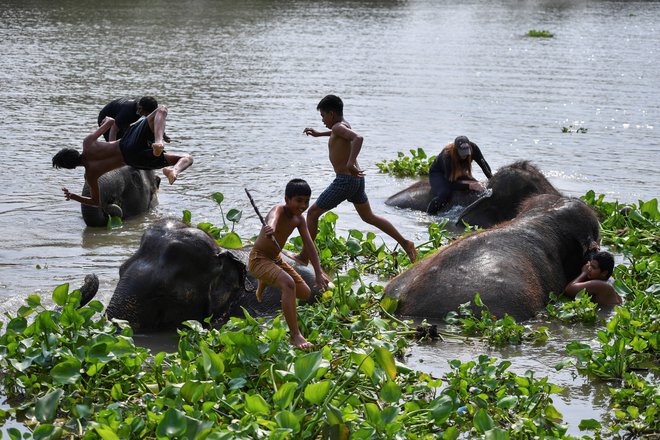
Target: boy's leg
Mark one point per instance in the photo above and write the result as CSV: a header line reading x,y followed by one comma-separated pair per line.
x,y
313,215
367,215
156,121
288,290
179,163
260,290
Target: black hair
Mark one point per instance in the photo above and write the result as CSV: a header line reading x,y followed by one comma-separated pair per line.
x,y
297,187
148,104
67,158
331,103
605,262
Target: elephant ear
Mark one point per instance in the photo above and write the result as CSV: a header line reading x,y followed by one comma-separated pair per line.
x,y
480,212
232,265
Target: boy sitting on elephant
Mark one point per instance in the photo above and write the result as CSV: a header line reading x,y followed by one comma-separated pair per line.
x,y
594,280
266,263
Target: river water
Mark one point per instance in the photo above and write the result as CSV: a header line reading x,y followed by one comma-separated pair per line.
x,y
242,79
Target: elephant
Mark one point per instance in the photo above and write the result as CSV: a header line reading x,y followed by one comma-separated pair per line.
x,y
179,273
418,196
124,192
505,191
513,266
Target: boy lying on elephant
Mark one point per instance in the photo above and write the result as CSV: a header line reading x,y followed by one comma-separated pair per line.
x,y
594,280
266,263
141,147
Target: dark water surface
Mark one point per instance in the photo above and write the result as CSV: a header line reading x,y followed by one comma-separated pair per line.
x,y
242,80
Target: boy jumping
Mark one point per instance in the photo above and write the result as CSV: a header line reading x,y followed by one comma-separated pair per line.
x,y
344,146
266,262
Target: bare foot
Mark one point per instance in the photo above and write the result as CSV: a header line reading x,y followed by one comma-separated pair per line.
x,y
170,173
409,247
299,342
260,290
158,148
300,259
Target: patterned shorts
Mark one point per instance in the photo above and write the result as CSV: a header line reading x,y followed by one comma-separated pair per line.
x,y
344,187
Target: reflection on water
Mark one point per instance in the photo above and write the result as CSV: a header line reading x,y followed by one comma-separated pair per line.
x,y
242,80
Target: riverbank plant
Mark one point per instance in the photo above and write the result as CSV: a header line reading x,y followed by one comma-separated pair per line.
x,y
417,164
540,33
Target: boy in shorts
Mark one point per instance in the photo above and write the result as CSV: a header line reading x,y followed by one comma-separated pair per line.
x,y
594,279
266,262
141,147
344,146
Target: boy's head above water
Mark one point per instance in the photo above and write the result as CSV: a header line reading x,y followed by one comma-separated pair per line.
x,y
297,195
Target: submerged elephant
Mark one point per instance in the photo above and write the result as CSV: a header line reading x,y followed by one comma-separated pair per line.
x,y
124,192
179,273
505,191
418,196
513,266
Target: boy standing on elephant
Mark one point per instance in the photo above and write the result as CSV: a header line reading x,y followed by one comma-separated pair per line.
x,y
344,146
266,262
594,280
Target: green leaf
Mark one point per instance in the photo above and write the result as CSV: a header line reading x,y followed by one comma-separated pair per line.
x,y
373,413
256,404
284,395
173,424
287,419
391,392
353,246
386,360
106,432
507,402
440,409
187,217
365,363
34,301
333,415
589,425
230,241
307,365
389,304
46,407
234,215
482,421
316,392
212,362
218,197
116,392
47,432
67,372
60,294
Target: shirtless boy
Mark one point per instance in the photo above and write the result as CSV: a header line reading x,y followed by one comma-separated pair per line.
x,y
266,262
141,147
344,146
594,278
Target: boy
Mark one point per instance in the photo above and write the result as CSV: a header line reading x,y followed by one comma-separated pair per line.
x,y
266,263
141,147
593,279
344,146
125,112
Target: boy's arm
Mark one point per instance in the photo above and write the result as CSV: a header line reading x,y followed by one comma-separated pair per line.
x,y
579,283
314,133
91,201
105,125
308,243
355,140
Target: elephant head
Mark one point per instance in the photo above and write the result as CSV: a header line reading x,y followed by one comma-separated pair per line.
x,y
508,188
513,266
124,192
418,196
179,273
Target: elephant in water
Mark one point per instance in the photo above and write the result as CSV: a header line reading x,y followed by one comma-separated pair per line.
x,y
513,266
179,273
506,190
124,192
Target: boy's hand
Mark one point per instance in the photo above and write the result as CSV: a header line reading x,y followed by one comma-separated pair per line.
x,y
268,230
321,282
67,194
107,118
355,171
311,132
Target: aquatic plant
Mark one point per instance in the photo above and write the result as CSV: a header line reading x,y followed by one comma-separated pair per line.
x,y
417,164
224,236
578,309
540,33
571,129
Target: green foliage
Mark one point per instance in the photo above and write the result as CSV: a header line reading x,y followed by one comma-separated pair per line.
x,y
540,33
498,332
417,164
579,309
224,236
572,129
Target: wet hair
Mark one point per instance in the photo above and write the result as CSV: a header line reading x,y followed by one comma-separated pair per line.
x,y
460,167
297,187
67,158
331,103
148,104
605,262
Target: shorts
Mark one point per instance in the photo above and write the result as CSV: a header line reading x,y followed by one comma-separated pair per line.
x,y
344,187
143,158
268,270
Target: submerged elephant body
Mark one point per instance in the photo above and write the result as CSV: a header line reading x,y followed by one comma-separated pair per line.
x,y
131,191
418,196
179,273
513,266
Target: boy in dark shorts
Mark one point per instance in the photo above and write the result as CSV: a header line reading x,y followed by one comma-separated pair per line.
x,y
344,146
266,262
125,112
141,147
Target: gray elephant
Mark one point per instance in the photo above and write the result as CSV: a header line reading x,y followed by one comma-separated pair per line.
x,y
513,266
418,196
505,191
179,273
124,192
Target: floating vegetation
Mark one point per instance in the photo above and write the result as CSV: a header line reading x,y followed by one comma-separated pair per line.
x,y
540,34
417,164
571,129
